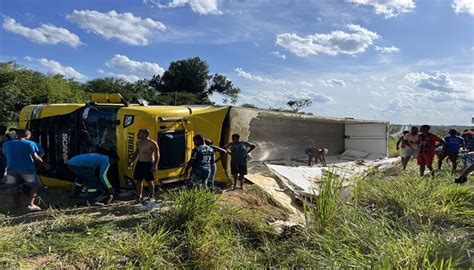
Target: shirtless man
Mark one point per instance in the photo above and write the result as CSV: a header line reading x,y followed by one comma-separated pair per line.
x,y
148,154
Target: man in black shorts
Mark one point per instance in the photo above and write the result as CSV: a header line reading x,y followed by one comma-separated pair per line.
x,y
148,154
239,151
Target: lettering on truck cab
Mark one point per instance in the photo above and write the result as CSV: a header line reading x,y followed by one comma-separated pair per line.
x,y
65,143
131,144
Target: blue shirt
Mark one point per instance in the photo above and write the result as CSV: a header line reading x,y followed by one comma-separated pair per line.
x,y
202,156
18,153
453,143
93,160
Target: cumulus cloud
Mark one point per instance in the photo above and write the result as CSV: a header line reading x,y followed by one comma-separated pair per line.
x,y
337,42
435,81
387,50
124,27
306,84
463,6
378,79
45,34
56,67
131,70
388,8
249,76
279,55
202,7
333,83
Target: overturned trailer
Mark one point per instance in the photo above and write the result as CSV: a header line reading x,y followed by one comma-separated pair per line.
x,y
66,130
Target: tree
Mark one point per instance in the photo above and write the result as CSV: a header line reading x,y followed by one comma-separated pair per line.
x,y
299,104
248,105
20,87
192,76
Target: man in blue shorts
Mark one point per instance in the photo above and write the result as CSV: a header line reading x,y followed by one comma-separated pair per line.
x,y
451,149
85,166
21,155
200,162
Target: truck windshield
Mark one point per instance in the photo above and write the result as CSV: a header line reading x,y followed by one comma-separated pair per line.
x,y
98,128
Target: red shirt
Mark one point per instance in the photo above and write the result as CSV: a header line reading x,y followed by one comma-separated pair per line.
x,y
427,143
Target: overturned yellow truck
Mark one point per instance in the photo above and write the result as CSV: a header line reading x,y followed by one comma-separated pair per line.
x,y
66,130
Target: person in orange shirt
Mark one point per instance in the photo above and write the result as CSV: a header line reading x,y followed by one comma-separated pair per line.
x,y
427,145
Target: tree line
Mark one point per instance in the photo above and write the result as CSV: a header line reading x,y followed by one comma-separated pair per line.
x,y
186,81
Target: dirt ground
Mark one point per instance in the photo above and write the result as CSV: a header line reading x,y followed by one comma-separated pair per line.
x,y
251,197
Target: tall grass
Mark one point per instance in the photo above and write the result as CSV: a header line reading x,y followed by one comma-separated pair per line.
x,y
390,222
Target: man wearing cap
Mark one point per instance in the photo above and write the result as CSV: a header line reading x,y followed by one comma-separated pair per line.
x,y
451,149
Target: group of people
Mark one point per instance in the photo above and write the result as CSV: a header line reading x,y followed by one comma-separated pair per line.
x,y
424,146
201,168
20,157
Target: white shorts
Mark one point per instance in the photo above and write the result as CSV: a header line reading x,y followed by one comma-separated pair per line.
x,y
408,152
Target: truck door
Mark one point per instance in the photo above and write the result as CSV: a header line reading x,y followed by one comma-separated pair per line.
x,y
173,138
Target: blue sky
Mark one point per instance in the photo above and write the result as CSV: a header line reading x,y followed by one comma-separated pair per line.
x,y
405,61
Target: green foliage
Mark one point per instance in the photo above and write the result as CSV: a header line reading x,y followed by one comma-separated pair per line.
x,y
390,222
192,76
189,79
20,87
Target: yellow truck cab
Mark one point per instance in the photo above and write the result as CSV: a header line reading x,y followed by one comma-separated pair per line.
x,y
66,130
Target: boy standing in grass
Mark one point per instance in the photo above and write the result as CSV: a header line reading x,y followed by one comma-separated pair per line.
x,y
451,150
239,151
427,145
210,180
200,162
411,146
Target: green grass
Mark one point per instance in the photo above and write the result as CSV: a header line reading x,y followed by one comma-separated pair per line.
x,y
399,221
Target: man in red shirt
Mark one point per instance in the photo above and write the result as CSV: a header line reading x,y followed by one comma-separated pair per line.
x,y
427,145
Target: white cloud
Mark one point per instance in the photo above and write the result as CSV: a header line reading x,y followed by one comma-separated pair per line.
x,y
405,88
378,79
247,75
388,8
279,55
131,70
279,98
306,84
320,98
203,7
121,26
45,34
56,67
387,50
337,42
333,83
463,6
435,81
440,97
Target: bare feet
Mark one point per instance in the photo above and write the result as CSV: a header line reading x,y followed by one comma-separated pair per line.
x,y
34,207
